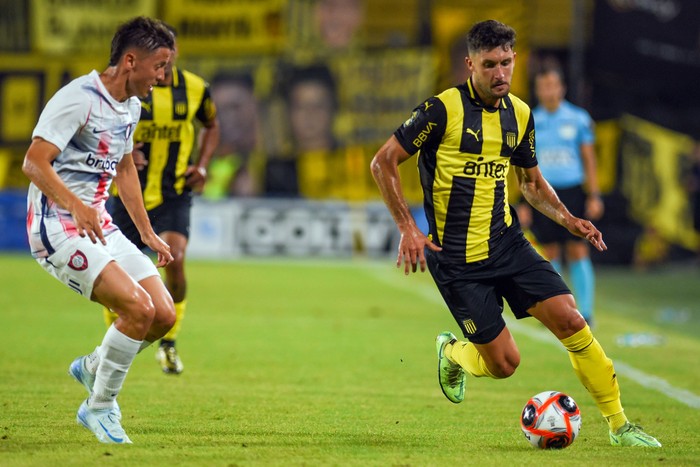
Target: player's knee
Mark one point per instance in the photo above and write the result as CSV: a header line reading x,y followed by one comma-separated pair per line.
x,y
570,324
505,368
139,310
164,319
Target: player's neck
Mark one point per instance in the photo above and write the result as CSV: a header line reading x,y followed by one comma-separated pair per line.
x,y
115,84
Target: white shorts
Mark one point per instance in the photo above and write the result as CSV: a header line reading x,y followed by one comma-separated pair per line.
x,y
78,262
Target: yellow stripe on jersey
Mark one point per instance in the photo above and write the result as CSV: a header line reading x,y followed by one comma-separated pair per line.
x,y
167,130
158,151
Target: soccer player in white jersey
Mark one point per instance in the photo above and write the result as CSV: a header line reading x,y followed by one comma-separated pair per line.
x,y
83,141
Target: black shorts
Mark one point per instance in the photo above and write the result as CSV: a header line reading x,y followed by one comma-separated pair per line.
x,y
546,230
173,216
474,292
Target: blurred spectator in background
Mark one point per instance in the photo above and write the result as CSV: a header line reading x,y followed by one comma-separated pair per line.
x,y
311,103
459,72
567,159
338,21
232,170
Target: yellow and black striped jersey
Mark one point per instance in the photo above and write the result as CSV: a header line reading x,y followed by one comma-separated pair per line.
x,y
466,150
168,132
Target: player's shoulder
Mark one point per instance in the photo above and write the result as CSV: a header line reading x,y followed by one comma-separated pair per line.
x,y
518,103
575,111
191,77
520,108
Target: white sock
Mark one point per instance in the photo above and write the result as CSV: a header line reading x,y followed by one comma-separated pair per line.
x,y
145,344
92,361
116,354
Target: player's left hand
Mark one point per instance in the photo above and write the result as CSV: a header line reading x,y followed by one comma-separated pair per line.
x,y
594,207
195,177
585,229
158,245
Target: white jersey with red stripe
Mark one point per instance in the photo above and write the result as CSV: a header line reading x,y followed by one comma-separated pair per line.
x,y
93,132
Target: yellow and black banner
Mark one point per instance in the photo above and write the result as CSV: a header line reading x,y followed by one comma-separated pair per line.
x,y
218,27
81,25
654,166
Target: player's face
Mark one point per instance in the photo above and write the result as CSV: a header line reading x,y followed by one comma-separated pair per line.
x,y
550,90
492,72
147,69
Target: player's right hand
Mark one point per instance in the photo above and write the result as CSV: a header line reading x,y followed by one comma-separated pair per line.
x,y
411,249
88,222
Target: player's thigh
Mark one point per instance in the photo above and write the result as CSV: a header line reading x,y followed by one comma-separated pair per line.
x,y
77,262
117,290
475,305
559,315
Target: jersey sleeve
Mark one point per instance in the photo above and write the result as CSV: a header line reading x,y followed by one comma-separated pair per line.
x,y
64,115
206,113
425,127
524,154
587,128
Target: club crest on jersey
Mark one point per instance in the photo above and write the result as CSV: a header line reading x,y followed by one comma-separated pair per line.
x,y
78,261
511,139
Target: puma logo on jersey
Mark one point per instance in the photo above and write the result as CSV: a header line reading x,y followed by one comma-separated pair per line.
x,y
146,106
473,133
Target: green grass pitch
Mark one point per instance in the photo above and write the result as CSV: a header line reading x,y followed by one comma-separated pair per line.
x,y
333,363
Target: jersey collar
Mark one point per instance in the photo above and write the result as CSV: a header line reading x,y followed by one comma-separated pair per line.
x,y
474,97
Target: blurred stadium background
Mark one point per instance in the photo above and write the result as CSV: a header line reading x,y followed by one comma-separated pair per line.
x,y
291,176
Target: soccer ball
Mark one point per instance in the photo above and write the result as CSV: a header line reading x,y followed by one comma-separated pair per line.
x,y
551,420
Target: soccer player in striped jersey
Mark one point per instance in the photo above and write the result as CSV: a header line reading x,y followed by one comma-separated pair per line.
x,y
467,137
82,142
165,140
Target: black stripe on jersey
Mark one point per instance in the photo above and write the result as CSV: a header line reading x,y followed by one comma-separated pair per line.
x,y
472,133
459,213
180,103
180,108
498,214
146,149
509,128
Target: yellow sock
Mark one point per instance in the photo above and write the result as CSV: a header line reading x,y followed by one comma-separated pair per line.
x,y
466,356
179,316
597,374
109,316
617,421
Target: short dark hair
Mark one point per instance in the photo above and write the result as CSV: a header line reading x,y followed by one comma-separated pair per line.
x,y
550,65
488,35
141,32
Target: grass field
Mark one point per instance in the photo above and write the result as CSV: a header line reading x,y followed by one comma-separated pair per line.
x,y
333,363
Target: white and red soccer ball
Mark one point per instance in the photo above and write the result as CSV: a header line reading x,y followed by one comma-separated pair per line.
x,y
551,420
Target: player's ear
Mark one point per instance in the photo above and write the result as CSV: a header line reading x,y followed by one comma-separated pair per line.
x,y
129,60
